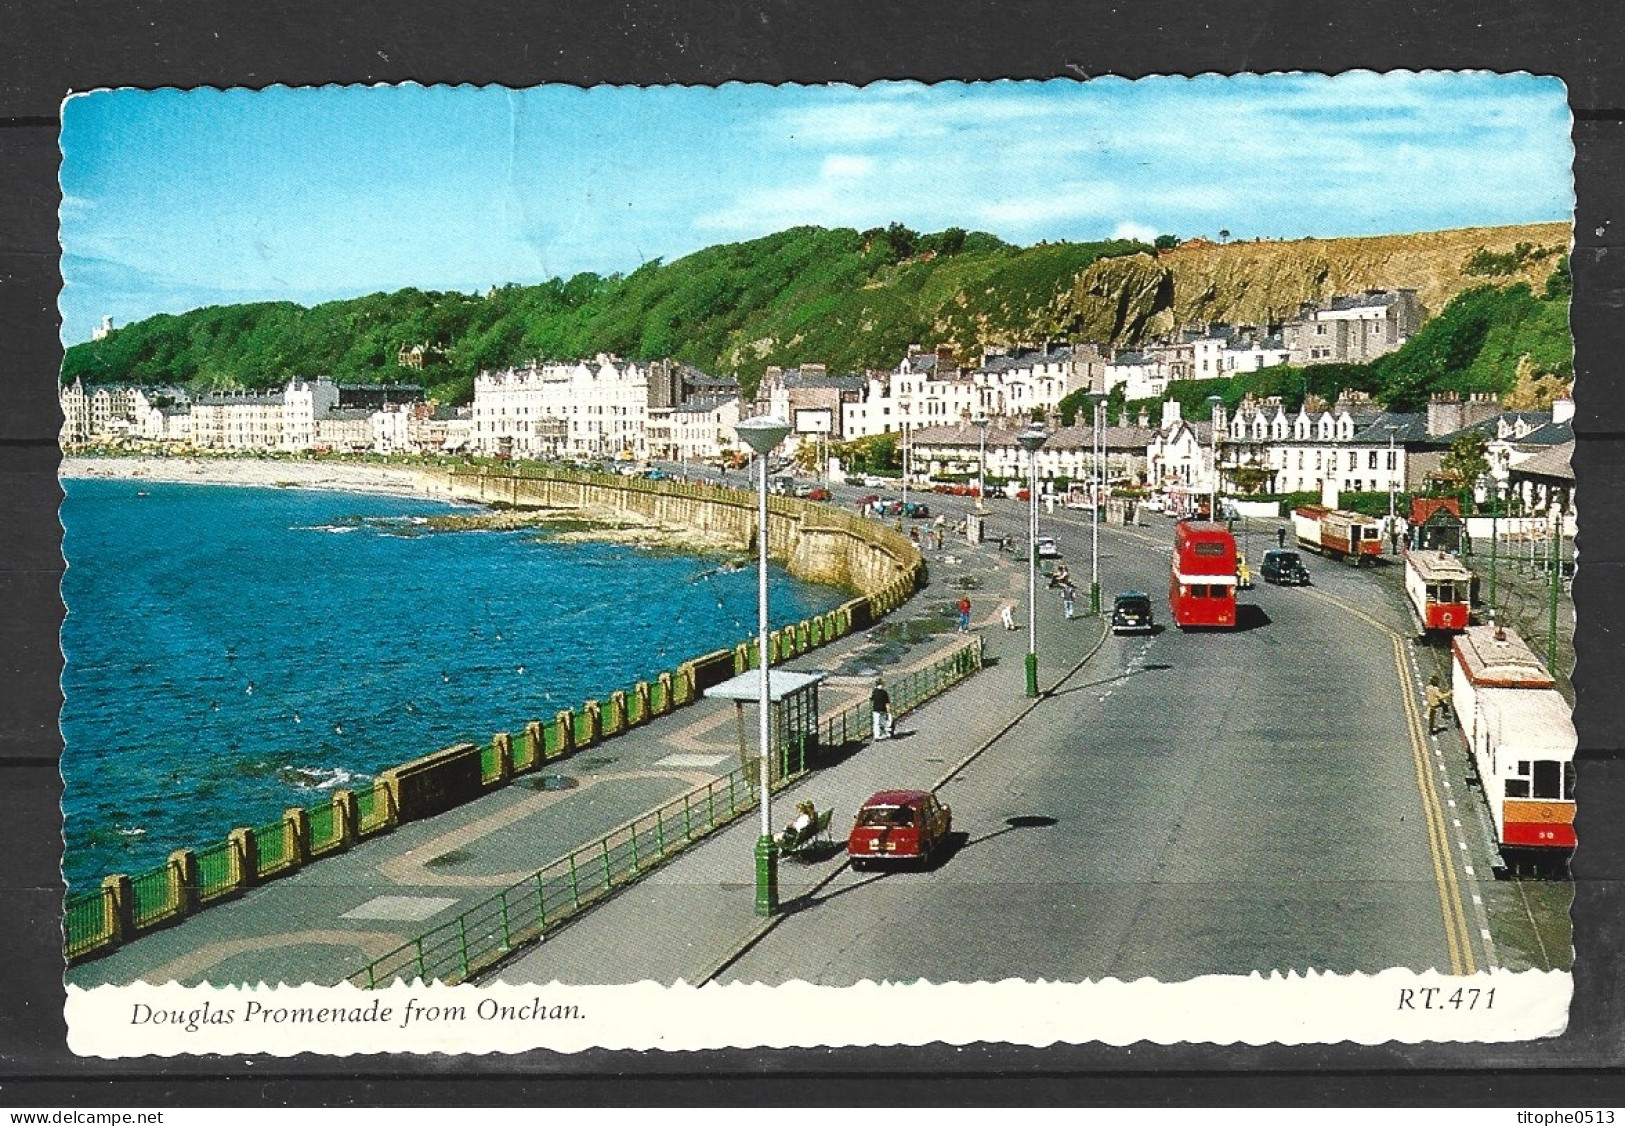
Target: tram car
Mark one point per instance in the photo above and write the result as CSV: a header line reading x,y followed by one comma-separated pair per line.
x,y
1520,732
1202,590
1337,534
1439,589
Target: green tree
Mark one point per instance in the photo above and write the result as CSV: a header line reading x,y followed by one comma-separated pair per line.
x,y
1166,242
1466,461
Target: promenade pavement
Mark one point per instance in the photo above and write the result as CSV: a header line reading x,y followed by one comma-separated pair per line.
x,y
329,920
688,919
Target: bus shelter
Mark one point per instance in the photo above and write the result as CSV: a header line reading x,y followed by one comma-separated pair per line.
x,y
792,723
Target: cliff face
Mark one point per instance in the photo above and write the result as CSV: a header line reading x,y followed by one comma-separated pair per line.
x,y
1122,300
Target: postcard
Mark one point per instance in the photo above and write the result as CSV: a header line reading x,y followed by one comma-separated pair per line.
x,y
1053,562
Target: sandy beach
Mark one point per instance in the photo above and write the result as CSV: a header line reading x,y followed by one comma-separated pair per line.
x,y
578,524
335,476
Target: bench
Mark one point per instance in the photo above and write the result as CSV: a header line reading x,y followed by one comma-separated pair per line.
x,y
818,830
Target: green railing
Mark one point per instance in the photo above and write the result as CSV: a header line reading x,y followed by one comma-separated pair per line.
x,y
87,922
216,874
154,897
326,831
273,847
90,917
488,932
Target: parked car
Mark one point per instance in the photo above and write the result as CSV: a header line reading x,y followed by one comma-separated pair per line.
x,y
1283,568
1046,548
899,825
818,492
1131,613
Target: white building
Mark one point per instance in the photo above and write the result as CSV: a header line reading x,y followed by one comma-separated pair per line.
x,y
595,408
929,390
702,429
1353,329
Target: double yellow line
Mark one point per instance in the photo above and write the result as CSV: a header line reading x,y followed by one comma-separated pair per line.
x,y
1457,937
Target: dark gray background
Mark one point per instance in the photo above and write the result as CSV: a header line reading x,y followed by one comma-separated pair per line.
x,y
50,49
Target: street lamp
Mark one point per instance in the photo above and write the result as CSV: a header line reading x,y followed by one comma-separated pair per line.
x,y
1492,487
1032,440
762,434
1554,557
1393,462
1094,506
1213,404
982,423
904,427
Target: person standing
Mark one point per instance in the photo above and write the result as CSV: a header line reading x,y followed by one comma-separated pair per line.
x,y
880,706
1069,601
1280,536
1008,615
963,608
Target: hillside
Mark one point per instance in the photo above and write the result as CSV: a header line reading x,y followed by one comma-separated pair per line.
x,y
849,299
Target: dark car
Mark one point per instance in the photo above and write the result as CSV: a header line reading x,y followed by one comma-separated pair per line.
x,y
899,825
1283,568
1131,613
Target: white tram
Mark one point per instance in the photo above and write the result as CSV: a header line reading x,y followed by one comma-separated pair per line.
x,y
1439,589
1520,731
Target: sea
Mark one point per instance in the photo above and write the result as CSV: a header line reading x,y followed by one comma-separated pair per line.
x,y
235,652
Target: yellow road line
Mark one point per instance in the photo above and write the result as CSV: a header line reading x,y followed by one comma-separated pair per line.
x,y
1457,936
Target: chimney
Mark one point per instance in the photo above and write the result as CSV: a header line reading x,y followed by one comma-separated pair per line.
x,y
1444,414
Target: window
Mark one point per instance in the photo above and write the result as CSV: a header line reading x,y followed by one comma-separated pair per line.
x,y
1372,461
1210,548
1354,459
1548,780
1393,460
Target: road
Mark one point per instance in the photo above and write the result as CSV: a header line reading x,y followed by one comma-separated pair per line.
x,y
1197,803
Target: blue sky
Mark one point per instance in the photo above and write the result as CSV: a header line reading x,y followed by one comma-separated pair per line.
x,y
177,199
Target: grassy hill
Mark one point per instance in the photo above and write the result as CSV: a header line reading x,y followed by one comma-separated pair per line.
x,y
846,298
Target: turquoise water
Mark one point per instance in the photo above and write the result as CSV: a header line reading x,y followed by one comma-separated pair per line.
x,y
232,653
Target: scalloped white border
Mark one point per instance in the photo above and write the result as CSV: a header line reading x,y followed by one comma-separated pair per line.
x,y
1398,1006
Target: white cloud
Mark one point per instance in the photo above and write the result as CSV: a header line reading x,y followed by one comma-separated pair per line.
x,y
1132,230
845,166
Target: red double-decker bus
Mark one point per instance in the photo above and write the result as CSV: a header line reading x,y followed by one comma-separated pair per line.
x,y
1203,589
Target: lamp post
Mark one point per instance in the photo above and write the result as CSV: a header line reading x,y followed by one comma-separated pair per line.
x,y
982,423
904,427
1393,536
1555,559
1495,539
1094,506
1213,404
762,434
1032,440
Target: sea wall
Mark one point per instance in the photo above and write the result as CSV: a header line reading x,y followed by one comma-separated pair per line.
x,y
814,541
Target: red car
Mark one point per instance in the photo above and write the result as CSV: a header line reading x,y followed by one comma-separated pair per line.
x,y
899,825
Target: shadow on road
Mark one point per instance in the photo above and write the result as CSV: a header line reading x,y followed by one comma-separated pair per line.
x,y
955,843
1124,675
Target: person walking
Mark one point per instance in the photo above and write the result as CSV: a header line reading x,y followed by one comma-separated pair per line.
x,y
1069,601
880,706
1280,536
1008,615
1438,699
963,609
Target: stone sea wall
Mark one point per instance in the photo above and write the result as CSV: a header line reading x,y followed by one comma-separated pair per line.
x,y
814,541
